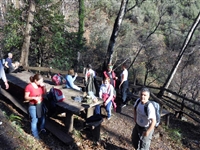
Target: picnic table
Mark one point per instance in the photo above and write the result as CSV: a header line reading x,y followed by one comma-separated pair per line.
x,y
18,82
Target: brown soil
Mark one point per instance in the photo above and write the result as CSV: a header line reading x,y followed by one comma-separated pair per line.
x,y
115,133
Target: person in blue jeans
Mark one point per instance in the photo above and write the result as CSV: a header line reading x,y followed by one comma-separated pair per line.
x,y
34,92
106,93
70,80
123,86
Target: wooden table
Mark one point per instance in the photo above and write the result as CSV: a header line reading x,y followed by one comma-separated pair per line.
x,y
71,107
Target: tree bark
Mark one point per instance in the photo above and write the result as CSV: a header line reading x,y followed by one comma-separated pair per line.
x,y
27,35
81,22
180,56
118,22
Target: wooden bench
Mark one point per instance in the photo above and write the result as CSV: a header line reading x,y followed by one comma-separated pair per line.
x,y
166,114
18,82
95,127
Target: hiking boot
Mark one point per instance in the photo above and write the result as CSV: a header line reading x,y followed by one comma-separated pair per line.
x,y
43,131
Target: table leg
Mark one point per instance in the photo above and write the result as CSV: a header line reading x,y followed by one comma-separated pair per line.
x,y
90,112
69,121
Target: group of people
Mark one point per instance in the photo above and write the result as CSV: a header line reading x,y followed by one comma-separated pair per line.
x,y
107,90
144,128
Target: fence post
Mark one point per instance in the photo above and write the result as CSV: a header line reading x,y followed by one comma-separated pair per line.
x,y
182,107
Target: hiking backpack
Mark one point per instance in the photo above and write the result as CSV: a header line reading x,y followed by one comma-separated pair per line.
x,y
58,79
56,95
53,96
156,106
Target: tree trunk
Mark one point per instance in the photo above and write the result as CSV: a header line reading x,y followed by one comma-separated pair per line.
x,y
118,22
81,22
27,37
180,56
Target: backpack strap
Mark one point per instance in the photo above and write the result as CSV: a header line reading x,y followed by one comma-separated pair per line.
x,y
146,107
137,102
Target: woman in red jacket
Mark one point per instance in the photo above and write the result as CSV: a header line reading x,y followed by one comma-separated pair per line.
x,y
109,73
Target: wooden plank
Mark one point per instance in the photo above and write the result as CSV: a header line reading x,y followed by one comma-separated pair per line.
x,y
64,137
69,121
164,112
13,100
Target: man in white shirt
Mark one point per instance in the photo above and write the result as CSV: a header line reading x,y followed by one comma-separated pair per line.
x,y
3,77
145,122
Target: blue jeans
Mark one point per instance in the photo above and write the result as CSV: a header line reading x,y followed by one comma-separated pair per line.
x,y
124,89
108,109
35,120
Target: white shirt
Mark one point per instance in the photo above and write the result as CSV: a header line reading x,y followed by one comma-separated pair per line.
x,y
88,73
106,89
2,73
142,119
125,73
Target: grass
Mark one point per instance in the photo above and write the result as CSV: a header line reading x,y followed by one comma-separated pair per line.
x,y
174,134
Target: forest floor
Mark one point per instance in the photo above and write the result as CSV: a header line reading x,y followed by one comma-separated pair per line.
x,y
115,133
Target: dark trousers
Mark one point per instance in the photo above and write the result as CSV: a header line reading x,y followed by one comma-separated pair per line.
x,y
124,89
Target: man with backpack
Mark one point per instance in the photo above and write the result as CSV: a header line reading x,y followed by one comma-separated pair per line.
x,y
145,123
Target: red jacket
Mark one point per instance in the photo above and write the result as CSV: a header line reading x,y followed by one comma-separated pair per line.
x,y
113,76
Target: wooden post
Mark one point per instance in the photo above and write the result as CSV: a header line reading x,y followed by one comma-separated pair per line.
x,y
167,120
90,112
96,128
69,122
182,107
96,132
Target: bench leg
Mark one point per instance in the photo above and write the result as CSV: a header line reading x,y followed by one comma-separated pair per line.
x,y
167,120
69,122
96,133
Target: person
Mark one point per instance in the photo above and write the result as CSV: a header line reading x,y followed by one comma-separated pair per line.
x,y
144,128
34,92
123,86
106,93
90,80
3,77
111,74
70,80
9,65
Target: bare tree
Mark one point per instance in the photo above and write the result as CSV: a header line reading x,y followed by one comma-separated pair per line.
x,y
180,56
118,21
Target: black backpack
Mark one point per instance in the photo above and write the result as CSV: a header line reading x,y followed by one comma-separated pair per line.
x,y
156,106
